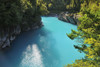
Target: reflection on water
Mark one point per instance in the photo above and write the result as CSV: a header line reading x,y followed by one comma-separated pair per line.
x,y
32,57
31,49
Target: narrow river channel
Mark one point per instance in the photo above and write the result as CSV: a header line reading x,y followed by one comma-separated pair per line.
x,y
48,46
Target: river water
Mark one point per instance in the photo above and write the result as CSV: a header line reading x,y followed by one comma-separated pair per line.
x,y
48,46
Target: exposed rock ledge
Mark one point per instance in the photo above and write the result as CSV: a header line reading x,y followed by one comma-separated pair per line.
x,y
7,35
68,17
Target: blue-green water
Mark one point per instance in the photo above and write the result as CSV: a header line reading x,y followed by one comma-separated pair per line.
x,y
45,47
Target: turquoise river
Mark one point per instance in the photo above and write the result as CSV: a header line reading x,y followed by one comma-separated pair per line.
x,y
48,46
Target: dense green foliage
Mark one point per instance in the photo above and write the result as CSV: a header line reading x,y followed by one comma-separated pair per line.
x,y
19,11
16,12
63,5
89,32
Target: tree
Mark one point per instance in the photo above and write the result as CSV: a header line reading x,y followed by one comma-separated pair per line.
x,y
13,13
89,31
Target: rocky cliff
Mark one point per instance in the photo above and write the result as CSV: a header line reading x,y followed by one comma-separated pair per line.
x,y
17,16
8,34
68,17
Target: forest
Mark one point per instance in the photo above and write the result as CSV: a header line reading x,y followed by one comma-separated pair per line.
x,y
14,13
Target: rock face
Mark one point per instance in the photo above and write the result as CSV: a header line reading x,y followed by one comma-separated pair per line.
x,y
7,35
67,17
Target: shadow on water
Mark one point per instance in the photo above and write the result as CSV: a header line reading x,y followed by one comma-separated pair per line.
x,y
28,45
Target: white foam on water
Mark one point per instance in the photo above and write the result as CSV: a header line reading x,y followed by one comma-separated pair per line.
x,y
32,57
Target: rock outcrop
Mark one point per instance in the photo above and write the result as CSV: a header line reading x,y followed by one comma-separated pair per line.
x,y
8,34
68,17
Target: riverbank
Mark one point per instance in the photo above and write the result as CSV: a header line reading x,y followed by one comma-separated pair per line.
x,y
8,34
69,17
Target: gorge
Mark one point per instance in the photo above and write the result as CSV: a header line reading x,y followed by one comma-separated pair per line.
x,y
47,46
50,33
